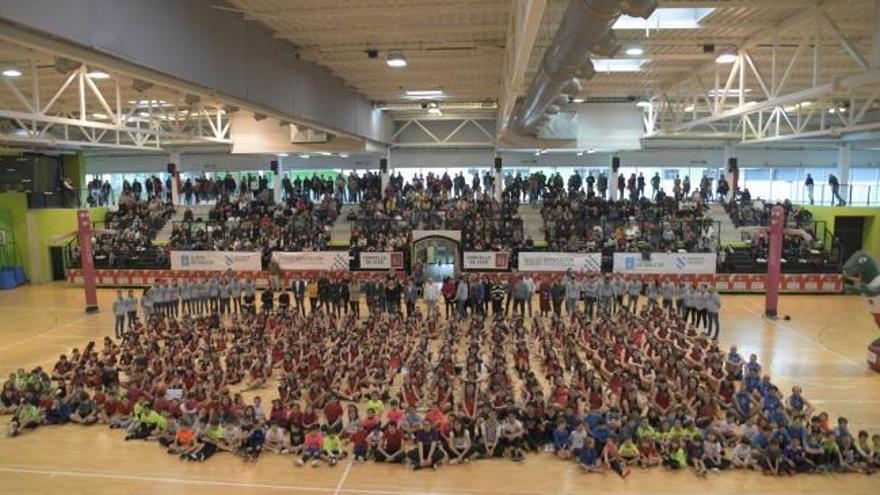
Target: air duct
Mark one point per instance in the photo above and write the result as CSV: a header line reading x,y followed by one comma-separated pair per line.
x,y
585,26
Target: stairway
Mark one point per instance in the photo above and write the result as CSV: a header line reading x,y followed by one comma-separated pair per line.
x,y
340,233
200,212
533,223
729,233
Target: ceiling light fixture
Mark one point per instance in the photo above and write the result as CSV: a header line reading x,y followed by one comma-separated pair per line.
x,y
11,72
635,51
304,156
343,155
98,74
424,92
726,56
643,104
580,153
395,60
577,100
435,111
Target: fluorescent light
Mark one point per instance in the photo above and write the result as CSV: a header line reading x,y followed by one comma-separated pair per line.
x,y
591,151
689,108
726,57
395,59
537,153
435,111
11,72
281,155
98,74
666,18
304,156
424,92
580,153
618,65
325,153
150,103
343,155
643,104
577,100
730,92
837,110
99,115
635,51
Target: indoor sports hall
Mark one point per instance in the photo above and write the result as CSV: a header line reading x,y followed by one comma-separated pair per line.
x,y
450,247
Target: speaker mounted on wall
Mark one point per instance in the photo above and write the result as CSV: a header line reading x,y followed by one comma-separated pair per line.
x,y
383,165
615,164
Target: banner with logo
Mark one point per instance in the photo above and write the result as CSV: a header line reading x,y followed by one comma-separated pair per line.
x,y
216,260
334,261
486,260
381,261
560,262
665,263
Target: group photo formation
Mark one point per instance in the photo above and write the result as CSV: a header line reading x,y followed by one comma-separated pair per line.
x,y
453,247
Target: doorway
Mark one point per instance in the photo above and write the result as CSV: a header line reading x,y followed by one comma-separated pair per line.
x,y
439,256
56,258
850,231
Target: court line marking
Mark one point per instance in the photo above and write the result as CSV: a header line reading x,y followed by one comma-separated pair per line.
x,y
266,486
804,338
343,478
47,332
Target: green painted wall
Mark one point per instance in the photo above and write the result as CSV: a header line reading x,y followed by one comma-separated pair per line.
x,y
13,209
871,239
52,224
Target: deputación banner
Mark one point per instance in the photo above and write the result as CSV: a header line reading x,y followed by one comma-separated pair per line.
x,y
665,263
216,260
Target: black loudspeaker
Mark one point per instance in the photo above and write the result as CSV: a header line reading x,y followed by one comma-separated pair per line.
x,y
732,165
274,166
172,168
615,163
383,165
498,164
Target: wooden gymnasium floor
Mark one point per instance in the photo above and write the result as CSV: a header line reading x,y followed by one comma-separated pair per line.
x,y
823,348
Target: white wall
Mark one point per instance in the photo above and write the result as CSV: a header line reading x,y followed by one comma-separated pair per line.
x,y
456,158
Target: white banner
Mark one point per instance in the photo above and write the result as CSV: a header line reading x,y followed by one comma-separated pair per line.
x,y
381,261
216,260
335,261
560,262
486,260
665,263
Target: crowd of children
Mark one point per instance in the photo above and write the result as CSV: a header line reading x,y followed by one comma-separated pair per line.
x,y
637,388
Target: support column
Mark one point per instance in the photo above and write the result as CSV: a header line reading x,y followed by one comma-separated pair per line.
x,y
731,165
497,180
774,261
844,161
278,170
174,159
612,177
383,175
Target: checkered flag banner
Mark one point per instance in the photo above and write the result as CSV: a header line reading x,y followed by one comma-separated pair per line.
x,y
560,262
336,261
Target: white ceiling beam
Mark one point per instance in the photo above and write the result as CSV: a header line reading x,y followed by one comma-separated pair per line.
x,y
525,24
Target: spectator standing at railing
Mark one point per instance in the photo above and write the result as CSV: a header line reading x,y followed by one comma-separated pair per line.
x,y
834,183
809,185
